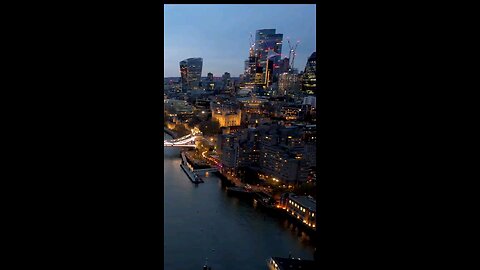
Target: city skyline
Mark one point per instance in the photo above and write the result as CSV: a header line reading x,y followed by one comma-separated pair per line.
x,y
206,31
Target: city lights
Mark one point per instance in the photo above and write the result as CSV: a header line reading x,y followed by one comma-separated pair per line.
x,y
251,132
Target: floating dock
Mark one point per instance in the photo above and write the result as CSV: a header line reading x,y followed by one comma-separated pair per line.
x,y
192,176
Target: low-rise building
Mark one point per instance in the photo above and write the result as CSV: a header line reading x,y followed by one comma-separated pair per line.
x,y
226,115
303,208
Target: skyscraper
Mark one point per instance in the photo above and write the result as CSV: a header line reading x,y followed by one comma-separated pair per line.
x,y
226,80
210,84
288,84
284,65
309,76
191,73
268,46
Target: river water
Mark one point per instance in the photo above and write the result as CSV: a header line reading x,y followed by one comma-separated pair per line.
x,y
202,221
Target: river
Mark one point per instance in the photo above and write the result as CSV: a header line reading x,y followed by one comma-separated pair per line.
x,y
202,221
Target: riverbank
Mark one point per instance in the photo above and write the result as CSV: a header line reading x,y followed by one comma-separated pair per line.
x,y
172,133
264,201
202,221
260,197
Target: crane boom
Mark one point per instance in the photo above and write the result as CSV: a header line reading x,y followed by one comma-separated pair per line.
x,y
252,44
289,52
293,52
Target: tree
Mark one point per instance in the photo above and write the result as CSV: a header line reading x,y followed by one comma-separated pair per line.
x,y
181,130
306,189
247,175
209,128
194,121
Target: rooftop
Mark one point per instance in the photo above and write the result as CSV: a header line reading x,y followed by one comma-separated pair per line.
x,y
305,201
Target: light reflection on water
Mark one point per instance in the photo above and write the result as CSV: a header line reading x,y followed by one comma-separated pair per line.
x,y
203,221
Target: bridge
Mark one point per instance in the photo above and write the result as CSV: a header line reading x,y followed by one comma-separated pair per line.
x,y
185,141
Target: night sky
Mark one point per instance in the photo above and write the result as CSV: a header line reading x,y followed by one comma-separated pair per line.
x,y
220,34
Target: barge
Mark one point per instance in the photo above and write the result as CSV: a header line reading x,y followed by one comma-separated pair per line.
x,y
192,176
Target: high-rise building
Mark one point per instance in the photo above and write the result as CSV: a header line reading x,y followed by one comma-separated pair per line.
x,y
268,50
251,65
310,100
191,73
226,80
309,76
210,85
288,84
284,65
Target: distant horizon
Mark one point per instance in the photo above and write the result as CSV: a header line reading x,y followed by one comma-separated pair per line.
x,y
219,34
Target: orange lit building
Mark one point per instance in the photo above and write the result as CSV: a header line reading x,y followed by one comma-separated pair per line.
x,y
303,208
227,117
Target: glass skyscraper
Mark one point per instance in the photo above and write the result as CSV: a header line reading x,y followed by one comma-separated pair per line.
x,y
268,44
309,76
191,73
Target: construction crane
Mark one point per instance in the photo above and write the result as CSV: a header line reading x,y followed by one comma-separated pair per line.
x,y
252,44
291,53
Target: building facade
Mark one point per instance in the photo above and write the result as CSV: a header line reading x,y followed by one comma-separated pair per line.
x,y
268,46
226,115
309,76
288,84
191,74
303,208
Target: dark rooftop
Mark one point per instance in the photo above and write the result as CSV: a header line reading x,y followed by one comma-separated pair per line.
x,y
305,201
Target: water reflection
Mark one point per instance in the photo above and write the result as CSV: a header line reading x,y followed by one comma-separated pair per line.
x,y
204,221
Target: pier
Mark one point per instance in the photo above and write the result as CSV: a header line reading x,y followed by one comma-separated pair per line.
x,y
191,175
205,170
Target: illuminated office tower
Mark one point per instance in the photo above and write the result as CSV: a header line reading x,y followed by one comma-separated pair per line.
x,y
191,73
309,76
288,84
268,46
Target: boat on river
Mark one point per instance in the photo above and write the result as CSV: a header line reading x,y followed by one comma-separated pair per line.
x,y
191,175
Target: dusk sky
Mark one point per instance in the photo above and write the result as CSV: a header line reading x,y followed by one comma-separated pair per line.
x,y
220,34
